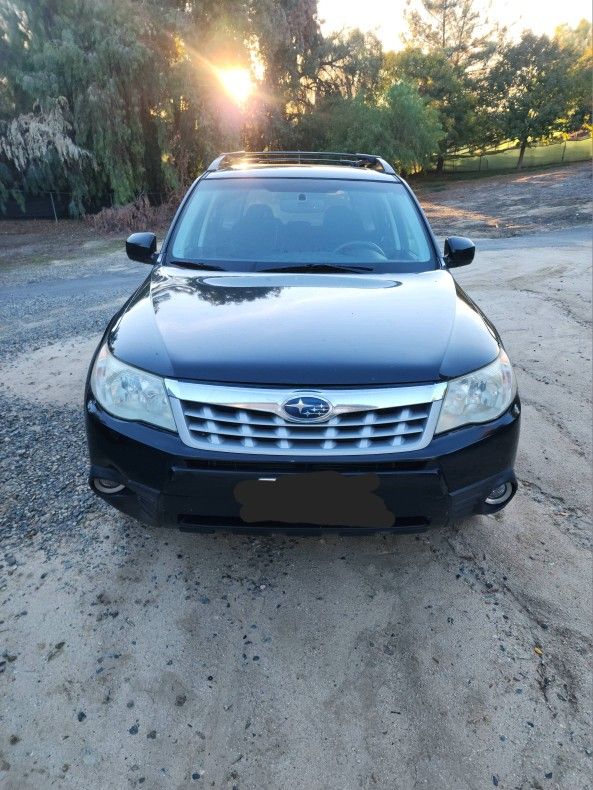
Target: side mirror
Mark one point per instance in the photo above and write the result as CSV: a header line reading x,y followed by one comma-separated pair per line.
x,y
141,247
459,251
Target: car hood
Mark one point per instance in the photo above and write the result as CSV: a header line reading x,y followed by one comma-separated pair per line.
x,y
303,329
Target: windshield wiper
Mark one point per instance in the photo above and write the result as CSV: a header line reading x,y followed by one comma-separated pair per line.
x,y
319,267
198,265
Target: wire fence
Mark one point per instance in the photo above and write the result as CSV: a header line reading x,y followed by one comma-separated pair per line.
x,y
53,205
507,158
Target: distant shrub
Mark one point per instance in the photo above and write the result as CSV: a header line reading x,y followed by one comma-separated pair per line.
x,y
135,216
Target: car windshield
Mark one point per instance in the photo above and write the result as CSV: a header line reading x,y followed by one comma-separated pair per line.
x,y
261,224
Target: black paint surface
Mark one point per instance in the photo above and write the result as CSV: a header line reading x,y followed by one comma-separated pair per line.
x,y
303,330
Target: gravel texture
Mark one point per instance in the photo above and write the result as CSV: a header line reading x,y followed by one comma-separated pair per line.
x,y
135,657
512,204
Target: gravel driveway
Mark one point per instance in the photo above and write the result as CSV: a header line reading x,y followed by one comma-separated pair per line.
x,y
133,657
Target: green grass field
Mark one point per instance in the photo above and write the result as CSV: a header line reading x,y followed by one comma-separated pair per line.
x,y
539,156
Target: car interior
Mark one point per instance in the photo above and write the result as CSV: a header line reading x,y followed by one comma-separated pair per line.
x,y
337,226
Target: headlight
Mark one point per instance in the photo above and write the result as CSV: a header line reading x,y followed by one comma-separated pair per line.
x,y
479,396
130,393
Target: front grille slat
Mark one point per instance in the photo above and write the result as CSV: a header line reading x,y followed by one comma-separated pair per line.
x,y
355,430
248,431
253,418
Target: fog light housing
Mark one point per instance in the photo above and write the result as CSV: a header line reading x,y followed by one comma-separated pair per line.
x,y
500,494
105,486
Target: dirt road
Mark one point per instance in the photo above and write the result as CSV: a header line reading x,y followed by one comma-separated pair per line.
x,y
133,657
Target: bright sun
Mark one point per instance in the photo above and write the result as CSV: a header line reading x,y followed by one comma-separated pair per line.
x,y
237,83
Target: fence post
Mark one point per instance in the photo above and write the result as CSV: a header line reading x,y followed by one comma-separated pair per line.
x,y
53,205
563,151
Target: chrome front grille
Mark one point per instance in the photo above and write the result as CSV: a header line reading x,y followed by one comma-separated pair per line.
x,y
250,420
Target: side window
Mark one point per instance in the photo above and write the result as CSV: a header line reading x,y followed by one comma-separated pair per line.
x,y
186,239
412,242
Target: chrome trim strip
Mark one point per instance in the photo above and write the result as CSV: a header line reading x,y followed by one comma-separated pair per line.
x,y
270,400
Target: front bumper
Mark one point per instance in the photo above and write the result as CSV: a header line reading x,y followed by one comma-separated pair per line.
x,y
168,483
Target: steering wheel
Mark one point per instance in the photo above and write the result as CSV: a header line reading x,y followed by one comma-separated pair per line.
x,y
357,245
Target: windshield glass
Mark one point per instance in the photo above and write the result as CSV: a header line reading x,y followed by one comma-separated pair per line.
x,y
258,224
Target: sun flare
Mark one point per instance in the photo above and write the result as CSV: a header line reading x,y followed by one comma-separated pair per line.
x,y
237,84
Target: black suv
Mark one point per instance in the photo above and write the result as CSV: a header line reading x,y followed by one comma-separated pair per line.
x,y
300,358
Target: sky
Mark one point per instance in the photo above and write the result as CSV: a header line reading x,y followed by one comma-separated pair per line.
x,y
386,17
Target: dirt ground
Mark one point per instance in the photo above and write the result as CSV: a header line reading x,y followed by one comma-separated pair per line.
x,y
509,205
144,658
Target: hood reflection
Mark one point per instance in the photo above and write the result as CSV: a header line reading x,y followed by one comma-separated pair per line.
x,y
163,287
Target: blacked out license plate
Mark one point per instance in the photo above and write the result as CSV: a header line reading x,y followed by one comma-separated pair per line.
x,y
319,498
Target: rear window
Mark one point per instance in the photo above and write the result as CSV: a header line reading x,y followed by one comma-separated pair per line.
x,y
252,224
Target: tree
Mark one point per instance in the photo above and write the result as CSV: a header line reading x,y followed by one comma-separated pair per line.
x,y
529,90
136,79
137,84
451,44
414,127
457,28
37,153
287,41
446,90
348,64
90,57
401,126
577,46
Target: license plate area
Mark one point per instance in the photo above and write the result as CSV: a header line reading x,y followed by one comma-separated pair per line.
x,y
325,498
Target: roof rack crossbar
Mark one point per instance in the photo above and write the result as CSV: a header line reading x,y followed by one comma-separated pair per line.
x,y
227,160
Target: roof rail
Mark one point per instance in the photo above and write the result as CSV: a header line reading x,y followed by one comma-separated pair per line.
x,y
226,161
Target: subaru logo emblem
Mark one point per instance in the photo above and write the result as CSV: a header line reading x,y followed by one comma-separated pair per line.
x,y
307,408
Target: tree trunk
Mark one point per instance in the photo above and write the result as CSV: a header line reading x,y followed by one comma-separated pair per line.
x,y
440,163
521,154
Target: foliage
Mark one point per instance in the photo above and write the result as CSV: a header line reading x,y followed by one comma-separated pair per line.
x,y
37,152
348,65
450,48
445,89
288,40
529,90
459,29
576,45
140,213
114,99
91,58
400,126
